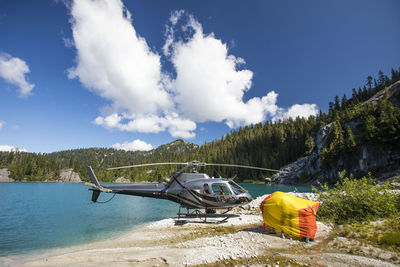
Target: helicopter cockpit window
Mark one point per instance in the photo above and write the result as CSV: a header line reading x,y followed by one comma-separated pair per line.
x,y
220,189
237,189
206,189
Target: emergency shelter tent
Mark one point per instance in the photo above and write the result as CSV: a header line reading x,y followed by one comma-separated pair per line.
x,y
289,214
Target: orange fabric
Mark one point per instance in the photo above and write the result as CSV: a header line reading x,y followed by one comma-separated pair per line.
x,y
308,222
289,214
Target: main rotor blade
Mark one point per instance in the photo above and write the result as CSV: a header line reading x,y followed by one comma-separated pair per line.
x,y
241,166
194,163
149,164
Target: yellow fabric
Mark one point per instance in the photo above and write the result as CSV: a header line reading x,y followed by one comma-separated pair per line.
x,y
281,211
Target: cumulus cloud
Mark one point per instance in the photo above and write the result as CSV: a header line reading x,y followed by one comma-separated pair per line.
x,y
169,30
175,125
8,148
113,60
135,145
1,125
302,111
116,63
210,85
13,70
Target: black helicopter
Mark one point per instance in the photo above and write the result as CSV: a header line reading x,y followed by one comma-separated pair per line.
x,y
191,190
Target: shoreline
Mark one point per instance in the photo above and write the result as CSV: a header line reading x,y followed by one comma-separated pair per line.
x,y
240,241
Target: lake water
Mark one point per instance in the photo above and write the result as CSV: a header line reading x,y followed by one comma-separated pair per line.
x,y
35,216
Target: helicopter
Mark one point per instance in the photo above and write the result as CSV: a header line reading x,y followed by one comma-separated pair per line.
x,y
191,190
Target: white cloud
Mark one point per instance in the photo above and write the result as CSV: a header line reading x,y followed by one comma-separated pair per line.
x,y
13,70
1,125
303,111
175,16
169,30
135,145
116,63
11,148
176,126
113,60
209,85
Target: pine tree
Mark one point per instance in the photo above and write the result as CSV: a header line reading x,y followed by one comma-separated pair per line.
x,y
337,104
354,96
370,129
337,143
310,145
369,81
344,102
350,142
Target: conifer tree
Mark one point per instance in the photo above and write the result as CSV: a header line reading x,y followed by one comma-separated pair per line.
x,y
370,129
350,142
310,144
369,82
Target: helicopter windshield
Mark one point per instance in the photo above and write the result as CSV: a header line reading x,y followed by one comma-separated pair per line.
x,y
237,189
220,189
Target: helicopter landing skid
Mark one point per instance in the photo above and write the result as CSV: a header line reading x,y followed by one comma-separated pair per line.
x,y
202,216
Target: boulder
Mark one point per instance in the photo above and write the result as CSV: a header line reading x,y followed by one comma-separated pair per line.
x,y
4,173
69,176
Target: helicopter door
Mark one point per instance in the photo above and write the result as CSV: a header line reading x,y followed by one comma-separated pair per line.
x,y
206,189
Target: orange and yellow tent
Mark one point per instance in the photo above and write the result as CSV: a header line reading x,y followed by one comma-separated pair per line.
x,y
289,214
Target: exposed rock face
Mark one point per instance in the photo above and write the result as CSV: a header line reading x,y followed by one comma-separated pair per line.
x,y
4,173
367,157
310,165
307,170
69,176
122,180
392,93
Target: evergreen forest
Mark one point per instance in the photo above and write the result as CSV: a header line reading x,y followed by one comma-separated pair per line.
x,y
272,144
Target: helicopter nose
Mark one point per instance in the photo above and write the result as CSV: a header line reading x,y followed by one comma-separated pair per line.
x,y
246,198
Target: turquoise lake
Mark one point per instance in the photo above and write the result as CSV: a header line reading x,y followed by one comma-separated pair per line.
x,y
36,216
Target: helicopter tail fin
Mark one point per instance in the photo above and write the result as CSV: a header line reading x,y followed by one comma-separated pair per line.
x,y
95,195
96,187
93,178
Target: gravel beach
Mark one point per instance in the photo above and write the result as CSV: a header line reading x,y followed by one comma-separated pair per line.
x,y
241,240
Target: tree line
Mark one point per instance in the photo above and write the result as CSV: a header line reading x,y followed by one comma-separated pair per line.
x,y
269,144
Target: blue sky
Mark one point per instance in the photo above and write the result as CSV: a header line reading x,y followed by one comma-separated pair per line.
x,y
91,74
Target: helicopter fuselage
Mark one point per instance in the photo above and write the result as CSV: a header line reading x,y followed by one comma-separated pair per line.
x,y
190,190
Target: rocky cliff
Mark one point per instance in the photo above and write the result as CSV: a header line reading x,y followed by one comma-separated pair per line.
x,y
308,169
69,176
4,173
384,162
391,93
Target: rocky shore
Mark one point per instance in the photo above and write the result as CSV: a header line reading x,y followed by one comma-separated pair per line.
x,y
122,180
69,176
4,173
66,176
242,240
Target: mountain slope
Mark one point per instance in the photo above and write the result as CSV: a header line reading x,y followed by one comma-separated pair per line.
x,y
359,134
374,124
